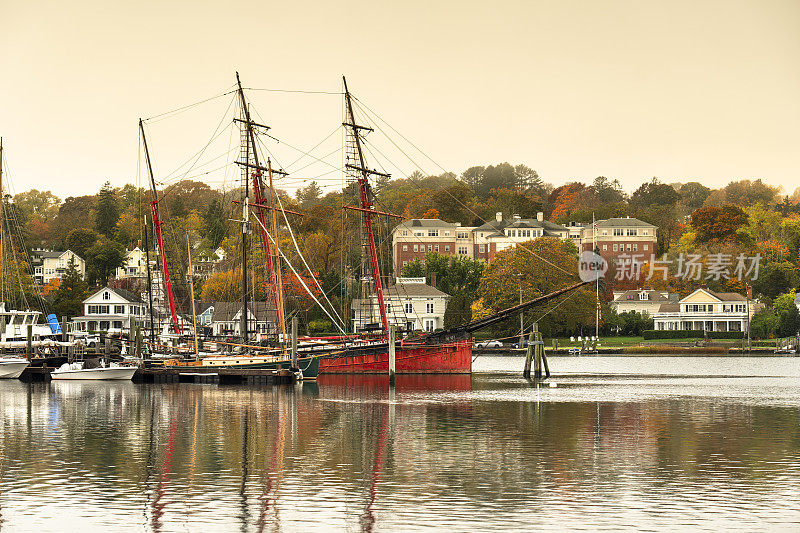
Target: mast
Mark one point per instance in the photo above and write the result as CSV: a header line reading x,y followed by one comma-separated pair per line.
x,y
245,212
272,258
367,207
156,210
2,202
149,285
191,290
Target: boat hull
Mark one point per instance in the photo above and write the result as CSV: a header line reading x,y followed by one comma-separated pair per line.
x,y
96,374
308,365
12,368
445,358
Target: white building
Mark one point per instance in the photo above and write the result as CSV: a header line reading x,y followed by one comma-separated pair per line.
x,y
641,300
134,266
112,310
411,305
226,319
706,310
50,265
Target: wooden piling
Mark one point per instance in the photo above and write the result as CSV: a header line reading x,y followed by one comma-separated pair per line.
x,y
392,361
538,348
294,342
138,340
30,341
526,373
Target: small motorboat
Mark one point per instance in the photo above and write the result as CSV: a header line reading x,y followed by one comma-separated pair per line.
x,y
12,367
91,369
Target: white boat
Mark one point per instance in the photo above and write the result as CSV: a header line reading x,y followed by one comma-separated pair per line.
x,y
12,367
76,371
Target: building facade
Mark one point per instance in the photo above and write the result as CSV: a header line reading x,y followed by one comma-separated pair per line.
x,y
414,238
49,265
641,300
706,310
112,310
411,305
226,319
134,265
615,237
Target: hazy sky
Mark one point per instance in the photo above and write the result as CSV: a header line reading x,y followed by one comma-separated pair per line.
x,y
682,90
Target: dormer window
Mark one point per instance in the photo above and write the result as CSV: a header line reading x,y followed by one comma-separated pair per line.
x,y
106,296
644,296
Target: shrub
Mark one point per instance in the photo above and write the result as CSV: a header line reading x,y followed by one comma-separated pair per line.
x,y
652,334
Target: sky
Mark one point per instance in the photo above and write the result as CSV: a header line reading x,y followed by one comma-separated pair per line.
x,y
628,89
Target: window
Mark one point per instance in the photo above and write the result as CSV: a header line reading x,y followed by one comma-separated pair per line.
x,y
615,248
645,232
644,296
405,248
388,308
629,247
619,232
106,296
446,247
645,247
433,233
415,247
462,250
119,309
482,248
631,233
430,247
408,308
419,233
605,232
605,247
636,247
447,233
405,263
429,307
405,233
741,308
462,235
436,247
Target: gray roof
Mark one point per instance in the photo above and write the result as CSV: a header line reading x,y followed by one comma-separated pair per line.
x,y
628,222
226,311
727,296
128,295
669,308
655,296
427,223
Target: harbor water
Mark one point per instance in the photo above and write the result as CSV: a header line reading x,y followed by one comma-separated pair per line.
x,y
640,443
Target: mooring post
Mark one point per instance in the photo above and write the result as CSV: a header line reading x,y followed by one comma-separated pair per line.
x,y
64,334
391,354
294,341
544,361
537,353
526,373
2,333
30,341
138,340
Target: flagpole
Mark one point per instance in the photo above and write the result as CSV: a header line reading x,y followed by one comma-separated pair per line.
x,y
596,283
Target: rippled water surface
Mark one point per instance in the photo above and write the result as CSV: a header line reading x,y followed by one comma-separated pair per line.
x,y
640,443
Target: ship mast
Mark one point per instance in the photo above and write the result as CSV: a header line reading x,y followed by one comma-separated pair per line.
x,y
2,201
367,208
156,210
271,257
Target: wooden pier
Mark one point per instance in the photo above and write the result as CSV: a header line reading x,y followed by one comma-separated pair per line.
x,y
222,376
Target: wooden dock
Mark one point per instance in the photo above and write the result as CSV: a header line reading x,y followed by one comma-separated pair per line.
x,y
223,376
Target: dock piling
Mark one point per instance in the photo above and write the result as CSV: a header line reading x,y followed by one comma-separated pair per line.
x,y
391,354
294,342
30,341
526,373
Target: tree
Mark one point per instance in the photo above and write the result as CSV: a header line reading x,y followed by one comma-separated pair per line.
x,y
68,298
763,324
80,240
309,195
654,193
102,259
787,314
608,191
545,265
107,212
718,224
776,278
694,194
214,224
746,192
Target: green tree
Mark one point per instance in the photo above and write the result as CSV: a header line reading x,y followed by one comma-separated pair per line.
x,y
654,193
80,240
694,194
214,224
776,278
787,314
310,195
103,259
70,294
107,212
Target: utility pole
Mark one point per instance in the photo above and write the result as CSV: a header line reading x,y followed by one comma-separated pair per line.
x,y
522,314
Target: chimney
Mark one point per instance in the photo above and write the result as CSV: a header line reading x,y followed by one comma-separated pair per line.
x,y
498,216
540,216
433,279
516,217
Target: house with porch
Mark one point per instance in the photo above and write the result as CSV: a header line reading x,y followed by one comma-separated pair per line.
x,y
112,310
706,310
411,305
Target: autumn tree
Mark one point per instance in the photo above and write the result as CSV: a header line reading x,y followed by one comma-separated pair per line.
x,y
80,240
718,223
693,195
540,266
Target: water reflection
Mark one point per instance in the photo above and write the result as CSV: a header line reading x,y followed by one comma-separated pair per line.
x,y
456,452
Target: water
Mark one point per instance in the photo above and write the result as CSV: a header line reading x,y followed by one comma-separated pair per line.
x,y
655,444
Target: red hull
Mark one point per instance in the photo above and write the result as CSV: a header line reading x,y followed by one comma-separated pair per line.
x,y
447,358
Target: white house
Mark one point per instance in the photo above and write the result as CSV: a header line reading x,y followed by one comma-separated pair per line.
x,y
641,300
411,304
226,319
50,265
134,266
706,310
112,310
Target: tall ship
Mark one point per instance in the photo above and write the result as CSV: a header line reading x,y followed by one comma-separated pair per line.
x,y
358,352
